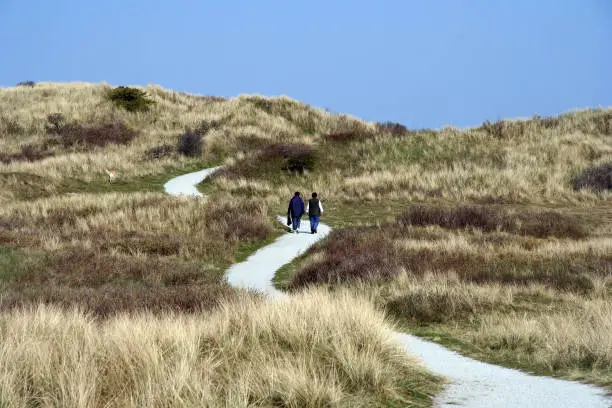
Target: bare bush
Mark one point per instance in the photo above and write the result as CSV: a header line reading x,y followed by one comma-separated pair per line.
x,y
597,178
539,224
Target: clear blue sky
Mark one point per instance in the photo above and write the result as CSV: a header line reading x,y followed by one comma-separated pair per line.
x,y
424,63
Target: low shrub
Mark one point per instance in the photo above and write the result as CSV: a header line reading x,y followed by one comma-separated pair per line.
x,y
130,99
105,284
372,254
299,158
547,122
428,305
74,134
538,224
28,153
350,255
190,144
159,152
101,135
504,129
481,217
28,84
296,158
597,178
396,129
55,123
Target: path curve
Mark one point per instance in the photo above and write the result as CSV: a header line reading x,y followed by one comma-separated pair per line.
x,y
472,383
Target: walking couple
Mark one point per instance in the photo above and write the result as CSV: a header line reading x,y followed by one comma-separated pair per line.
x,y
296,210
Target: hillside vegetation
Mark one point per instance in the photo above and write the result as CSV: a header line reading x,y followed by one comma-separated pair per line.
x,y
248,353
495,240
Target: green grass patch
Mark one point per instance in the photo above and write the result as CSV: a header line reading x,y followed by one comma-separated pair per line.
x,y
12,262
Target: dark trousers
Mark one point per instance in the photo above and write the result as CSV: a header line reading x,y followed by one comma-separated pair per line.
x,y
295,221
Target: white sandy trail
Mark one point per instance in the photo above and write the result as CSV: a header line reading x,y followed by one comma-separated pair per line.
x,y
186,184
472,383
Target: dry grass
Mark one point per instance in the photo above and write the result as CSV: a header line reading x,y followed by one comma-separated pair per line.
x,y
126,252
373,161
376,253
137,251
315,351
576,340
508,298
363,162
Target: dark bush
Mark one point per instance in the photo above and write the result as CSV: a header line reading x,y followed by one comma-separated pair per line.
x,y
298,158
130,99
295,158
371,254
101,135
350,255
33,153
353,135
73,134
504,129
28,84
56,121
542,224
159,152
106,284
430,307
207,125
537,224
595,178
480,217
190,144
28,153
548,122
396,129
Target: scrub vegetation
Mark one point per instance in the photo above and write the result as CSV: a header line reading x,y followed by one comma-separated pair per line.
x,y
495,240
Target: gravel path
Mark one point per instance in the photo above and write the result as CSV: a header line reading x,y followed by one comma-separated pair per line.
x,y
472,384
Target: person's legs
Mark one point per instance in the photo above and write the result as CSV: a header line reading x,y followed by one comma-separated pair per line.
x,y
314,223
296,223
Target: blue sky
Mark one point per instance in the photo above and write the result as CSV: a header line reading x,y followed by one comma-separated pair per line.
x,y
423,63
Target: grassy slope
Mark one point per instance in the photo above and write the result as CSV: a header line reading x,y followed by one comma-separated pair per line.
x,y
69,238
365,174
553,321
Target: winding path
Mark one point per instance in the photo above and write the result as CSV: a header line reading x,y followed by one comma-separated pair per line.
x,y
472,383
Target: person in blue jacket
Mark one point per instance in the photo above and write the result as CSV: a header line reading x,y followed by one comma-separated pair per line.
x,y
295,211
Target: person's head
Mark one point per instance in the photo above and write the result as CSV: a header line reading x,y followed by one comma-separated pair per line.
x,y
314,195
297,194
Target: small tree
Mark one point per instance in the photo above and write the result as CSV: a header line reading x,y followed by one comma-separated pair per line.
x,y
130,99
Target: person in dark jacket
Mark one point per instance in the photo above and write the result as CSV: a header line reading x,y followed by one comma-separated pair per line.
x,y
314,208
295,211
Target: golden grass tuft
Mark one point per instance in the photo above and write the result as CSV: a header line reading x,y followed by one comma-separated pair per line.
x,y
313,350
